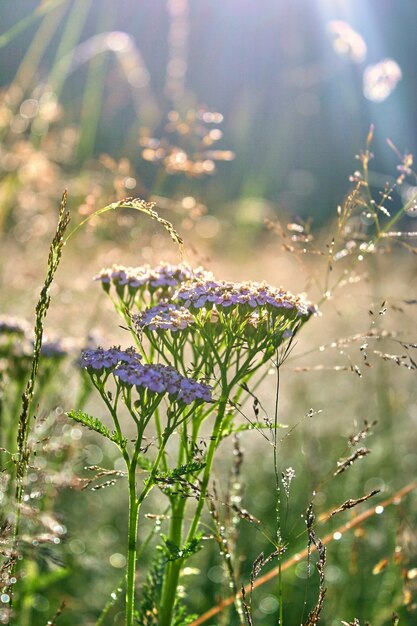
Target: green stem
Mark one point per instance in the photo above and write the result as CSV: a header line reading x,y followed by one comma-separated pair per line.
x,y
169,588
209,462
278,495
132,548
226,387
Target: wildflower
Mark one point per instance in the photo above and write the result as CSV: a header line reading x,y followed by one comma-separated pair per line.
x,y
223,295
164,316
162,277
12,325
163,379
126,366
99,359
53,349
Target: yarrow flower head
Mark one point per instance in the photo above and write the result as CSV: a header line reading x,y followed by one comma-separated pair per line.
x,y
99,359
223,295
161,279
53,348
13,325
164,316
126,366
164,379
17,340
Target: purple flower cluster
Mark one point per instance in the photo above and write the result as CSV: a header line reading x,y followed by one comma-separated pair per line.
x,y
164,316
18,336
100,359
13,325
162,276
206,293
164,379
53,348
126,365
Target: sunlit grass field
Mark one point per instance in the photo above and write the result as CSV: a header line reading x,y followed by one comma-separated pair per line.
x,y
289,496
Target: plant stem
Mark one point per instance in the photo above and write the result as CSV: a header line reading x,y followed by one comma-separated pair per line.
x,y
169,588
278,494
209,462
226,387
132,547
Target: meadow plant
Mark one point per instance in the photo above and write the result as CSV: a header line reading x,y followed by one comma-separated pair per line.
x,y
183,321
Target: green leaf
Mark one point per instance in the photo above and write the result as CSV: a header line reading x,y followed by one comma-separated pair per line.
x,y
172,552
93,423
189,468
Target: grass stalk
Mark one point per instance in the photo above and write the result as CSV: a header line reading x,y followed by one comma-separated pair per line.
x,y
26,21
93,95
23,452
70,38
29,66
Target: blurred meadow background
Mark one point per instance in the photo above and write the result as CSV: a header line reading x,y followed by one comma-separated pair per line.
x,y
248,124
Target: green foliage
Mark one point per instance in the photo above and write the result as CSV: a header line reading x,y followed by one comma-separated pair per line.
x,y
181,616
93,423
147,613
172,552
183,470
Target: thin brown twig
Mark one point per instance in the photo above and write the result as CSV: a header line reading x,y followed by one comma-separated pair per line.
x,y
357,521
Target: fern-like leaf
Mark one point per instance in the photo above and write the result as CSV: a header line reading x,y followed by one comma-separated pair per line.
x,y
93,423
